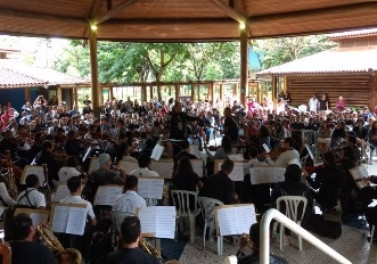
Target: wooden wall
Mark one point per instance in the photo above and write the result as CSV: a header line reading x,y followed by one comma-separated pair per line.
x,y
356,89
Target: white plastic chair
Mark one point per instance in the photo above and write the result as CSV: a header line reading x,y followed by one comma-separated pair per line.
x,y
181,200
207,205
295,207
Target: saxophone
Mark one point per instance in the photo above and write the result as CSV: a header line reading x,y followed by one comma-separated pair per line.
x,y
11,181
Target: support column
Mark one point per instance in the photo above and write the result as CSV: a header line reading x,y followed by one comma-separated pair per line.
x,y
144,92
151,91
59,94
96,91
244,55
221,92
27,94
210,89
74,97
176,89
373,89
192,93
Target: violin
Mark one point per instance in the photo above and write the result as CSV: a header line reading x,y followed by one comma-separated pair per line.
x,y
275,153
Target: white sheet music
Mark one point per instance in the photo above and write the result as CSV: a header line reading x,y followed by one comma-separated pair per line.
x,y
128,166
237,173
76,221
159,220
60,219
157,152
165,227
106,195
235,220
163,168
32,169
151,188
61,192
38,218
266,174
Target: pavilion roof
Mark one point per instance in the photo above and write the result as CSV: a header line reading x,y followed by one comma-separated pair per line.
x,y
330,61
182,20
15,74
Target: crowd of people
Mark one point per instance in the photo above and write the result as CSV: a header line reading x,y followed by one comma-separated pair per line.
x,y
47,132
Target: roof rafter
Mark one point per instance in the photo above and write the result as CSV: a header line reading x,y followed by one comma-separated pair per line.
x,y
229,11
93,13
114,11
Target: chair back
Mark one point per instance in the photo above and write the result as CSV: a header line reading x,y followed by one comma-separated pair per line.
x,y
118,218
207,205
295,206
185,202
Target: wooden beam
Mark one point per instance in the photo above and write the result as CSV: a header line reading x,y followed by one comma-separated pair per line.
x,y
114,11
96,90
229,11
93,13
244,67
40,16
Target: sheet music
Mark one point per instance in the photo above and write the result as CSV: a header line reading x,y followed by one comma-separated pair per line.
x,y
76,221
165,227
38,218
32,169
151,188
237,172
60,219
236,220
148,220
61,192
157,152
163,168
266,148
360,175
106,195
128,166
260,175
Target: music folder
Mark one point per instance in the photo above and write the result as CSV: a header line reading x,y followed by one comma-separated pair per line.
x,y
151,187
157,152
38,216
234,219
158,221
32,169
106,194
68,218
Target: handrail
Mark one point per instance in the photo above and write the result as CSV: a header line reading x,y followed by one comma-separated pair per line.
x,y
282,219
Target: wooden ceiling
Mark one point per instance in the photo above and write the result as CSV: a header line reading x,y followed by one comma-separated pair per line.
x,y
182,20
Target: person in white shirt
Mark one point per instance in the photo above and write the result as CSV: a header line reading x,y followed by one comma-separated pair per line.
x,y
5,198
253,161
129,201
69,169
313,105
75,185
289,156
31,197
143,170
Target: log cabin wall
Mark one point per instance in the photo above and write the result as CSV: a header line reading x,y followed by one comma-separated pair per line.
x,y
356,89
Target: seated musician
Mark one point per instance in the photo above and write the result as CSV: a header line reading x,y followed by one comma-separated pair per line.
x,y
222,152
144,161
254,243
130,200
220,186
46,156
104,175
131,253
185,178
288,156
123,152
5,198
31,197
73,146
75,185
24,249
70,169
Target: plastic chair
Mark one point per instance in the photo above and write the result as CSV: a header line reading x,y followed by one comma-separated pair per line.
x,y
118,218
181,200
207,205
295,207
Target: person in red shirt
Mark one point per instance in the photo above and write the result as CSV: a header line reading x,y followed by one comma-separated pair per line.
x,y
5,119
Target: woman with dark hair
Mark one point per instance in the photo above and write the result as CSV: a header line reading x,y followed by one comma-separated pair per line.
x,y
185,177
265,135
329,182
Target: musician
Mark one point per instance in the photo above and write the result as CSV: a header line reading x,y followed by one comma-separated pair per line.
x,y
104,175
254,257
288,156
185,178
73,146
130,200
222,152
54,128
230,125
46,156
70,169
144,161
5,199
131,253
31,197
220,186
5,119
24,250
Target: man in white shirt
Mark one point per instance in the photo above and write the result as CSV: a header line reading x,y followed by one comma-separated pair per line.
x,y
69,169
143,170
31,197
129,201
289,156
313,104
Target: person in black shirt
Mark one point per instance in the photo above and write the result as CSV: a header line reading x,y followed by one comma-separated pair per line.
x,y
131,253
24,250
185,177
323,103
230,125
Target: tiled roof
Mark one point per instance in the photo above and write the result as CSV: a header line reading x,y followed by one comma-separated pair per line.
x,y
360,32
330,61
15,74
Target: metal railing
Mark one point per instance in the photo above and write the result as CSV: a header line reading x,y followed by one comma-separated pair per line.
x,y
288,223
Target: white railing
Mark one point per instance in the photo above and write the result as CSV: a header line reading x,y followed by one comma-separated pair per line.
x,y
288,223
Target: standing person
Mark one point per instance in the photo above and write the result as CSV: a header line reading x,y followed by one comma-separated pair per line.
x,y
178,126
313,105
24,250
230,125
323,104
131,253
340,105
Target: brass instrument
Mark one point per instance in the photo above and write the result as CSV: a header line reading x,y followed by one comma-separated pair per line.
x,y
147,247
11,181
46,187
